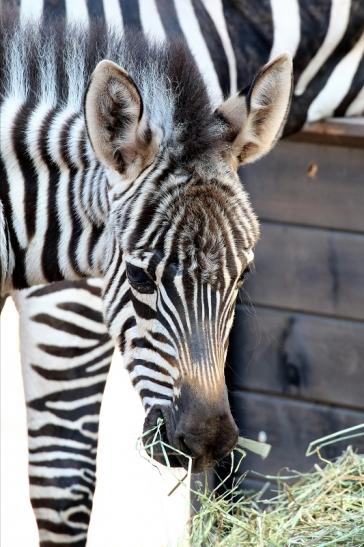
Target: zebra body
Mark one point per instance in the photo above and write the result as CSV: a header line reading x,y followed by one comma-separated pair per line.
x,y
226,66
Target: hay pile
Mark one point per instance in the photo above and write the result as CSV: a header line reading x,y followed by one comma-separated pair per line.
x,y
321,508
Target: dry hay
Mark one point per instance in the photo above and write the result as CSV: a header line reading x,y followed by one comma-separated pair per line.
x,y
321,508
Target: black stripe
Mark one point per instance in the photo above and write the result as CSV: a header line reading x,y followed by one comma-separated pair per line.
x,y
64,286
66,326
71,351
114,273
83,310
151,203
142,310
131,14
115,289
129,324
144,343
59,432
80,543
18,276
49,259
147,364
26,165
73,205
95,9
215,46
61,527
77,372
172,319
63,463
124,300
250,27
86,480
148,393
53,10
71,415
138,379
169,19
49,448
95,235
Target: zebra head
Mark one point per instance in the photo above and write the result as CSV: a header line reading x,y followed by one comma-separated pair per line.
x,y
182,234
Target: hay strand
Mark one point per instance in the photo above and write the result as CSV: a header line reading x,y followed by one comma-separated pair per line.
x,y
321,508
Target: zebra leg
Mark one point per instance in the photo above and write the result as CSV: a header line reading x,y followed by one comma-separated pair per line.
x,y
66,354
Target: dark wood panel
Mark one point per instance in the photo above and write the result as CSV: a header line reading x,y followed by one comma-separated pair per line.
x,y
308,269
309,184
298,355
289,427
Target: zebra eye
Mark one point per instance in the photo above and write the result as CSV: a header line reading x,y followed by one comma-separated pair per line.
x,y
139,279
243,277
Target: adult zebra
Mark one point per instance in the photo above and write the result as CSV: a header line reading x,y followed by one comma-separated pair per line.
x,y
219,79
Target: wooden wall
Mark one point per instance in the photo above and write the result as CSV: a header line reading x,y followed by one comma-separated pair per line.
x,y
296,360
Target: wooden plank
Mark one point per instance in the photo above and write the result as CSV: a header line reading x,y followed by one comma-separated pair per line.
x,y
307,269
296,355
289,427
333,132
310,185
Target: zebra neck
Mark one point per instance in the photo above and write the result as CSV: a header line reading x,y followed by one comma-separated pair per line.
x,y
55,194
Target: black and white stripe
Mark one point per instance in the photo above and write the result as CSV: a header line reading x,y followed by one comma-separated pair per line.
x,y
226,38
66,354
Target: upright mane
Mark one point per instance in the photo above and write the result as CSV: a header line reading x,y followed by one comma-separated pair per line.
x,y
53,65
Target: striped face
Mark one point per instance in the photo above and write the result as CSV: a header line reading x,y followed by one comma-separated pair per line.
x,y
170,296
182,234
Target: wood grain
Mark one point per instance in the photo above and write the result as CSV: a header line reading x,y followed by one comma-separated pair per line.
x,y
308,184
312,270
337,132
297,355
289,427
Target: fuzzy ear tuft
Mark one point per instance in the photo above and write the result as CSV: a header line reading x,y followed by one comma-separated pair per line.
x,y
117,129
257,119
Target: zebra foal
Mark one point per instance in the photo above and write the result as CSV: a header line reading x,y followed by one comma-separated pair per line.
x,y
137,185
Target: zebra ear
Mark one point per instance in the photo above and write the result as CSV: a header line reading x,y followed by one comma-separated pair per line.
x,y
256,119
114,119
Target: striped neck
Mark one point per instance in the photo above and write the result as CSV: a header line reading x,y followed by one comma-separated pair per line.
x,y
56,210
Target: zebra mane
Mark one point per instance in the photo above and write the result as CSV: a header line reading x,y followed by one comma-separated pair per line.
x,y
53,64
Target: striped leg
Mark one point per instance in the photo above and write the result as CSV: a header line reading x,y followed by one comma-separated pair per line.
x,y
66,355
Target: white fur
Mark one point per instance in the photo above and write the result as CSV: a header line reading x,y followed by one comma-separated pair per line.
x,y
113,14
77,11
286,27
356,108
151,21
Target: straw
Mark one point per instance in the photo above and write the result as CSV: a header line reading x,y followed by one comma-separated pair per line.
x,y
320,508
